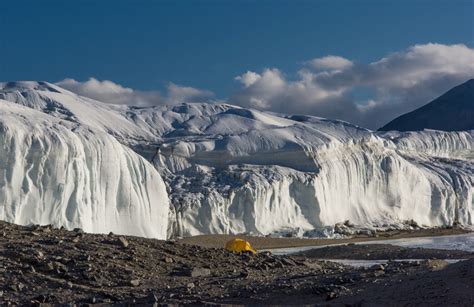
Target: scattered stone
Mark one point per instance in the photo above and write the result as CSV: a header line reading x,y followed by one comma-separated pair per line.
x,y
436,264
168,260
135,282
379,273
199,272
47,229
378,267
123,242
331,296
313,265
48,267
78,230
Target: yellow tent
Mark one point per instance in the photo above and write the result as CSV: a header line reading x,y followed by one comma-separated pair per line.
x,y
239,245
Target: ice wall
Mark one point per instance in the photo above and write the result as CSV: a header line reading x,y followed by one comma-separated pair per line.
x,y
370,182
60,173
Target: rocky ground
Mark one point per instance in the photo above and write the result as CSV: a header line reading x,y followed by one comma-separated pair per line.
x,y
40,264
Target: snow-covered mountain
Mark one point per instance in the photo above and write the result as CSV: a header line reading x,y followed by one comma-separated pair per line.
x,y
452,111
226,169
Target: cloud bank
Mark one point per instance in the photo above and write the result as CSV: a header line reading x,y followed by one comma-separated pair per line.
x,y
366,94
108,91
369,95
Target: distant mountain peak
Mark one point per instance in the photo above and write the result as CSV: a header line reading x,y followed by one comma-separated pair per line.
x,y
452,111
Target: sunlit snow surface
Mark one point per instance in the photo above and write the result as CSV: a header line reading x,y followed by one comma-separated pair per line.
x,y
226,169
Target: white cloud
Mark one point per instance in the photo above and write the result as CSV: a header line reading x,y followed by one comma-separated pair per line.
x,y
398,83
180,94
110,92
330,62
330,86
248,78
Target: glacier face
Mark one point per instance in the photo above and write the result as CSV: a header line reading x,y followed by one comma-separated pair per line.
x,y
230,170
56,172
371,182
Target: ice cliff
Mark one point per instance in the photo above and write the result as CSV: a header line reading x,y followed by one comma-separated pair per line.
x,y
76,162
54,171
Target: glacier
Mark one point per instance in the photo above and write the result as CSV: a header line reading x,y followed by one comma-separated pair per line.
x,y
203,168
55,172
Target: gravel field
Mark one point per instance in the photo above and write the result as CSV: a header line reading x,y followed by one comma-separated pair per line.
x,y
40,264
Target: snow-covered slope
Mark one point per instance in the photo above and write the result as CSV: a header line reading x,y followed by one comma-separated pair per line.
x,y
229,169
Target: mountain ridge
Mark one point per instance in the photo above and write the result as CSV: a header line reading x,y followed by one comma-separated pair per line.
x,y
452,111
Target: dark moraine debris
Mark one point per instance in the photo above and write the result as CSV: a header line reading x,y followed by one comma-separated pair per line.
x,y
51,267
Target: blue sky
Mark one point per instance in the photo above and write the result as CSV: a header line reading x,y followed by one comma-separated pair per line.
x,y
145,45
